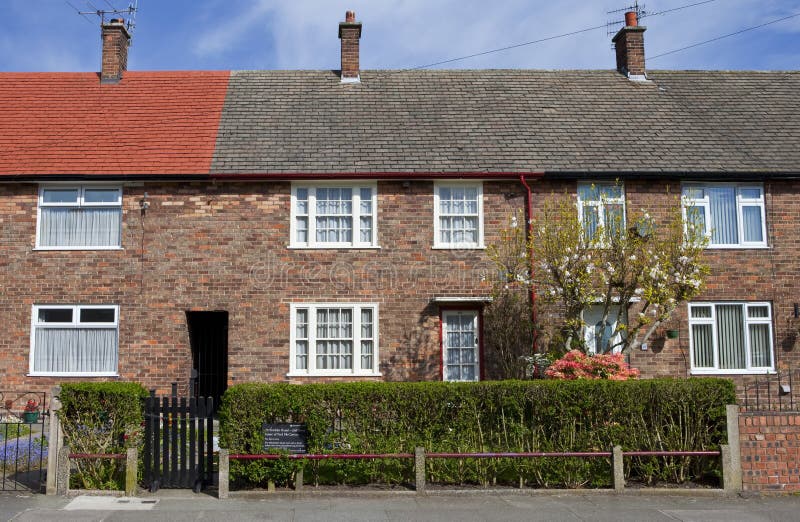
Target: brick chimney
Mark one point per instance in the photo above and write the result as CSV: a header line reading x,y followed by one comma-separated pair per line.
x,y
629,43
350,33
115,51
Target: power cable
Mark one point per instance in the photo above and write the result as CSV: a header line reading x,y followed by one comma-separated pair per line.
x,y
740,31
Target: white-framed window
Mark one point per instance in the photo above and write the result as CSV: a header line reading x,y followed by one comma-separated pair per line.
x,y
731,337
74,340
601,335
601,205
458,215
337,339
341,215
79,217
730,214
461,345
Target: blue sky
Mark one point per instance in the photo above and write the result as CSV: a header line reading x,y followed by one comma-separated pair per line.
x,y
48,35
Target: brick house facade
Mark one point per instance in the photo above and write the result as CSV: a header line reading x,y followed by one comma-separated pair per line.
x,y
214,175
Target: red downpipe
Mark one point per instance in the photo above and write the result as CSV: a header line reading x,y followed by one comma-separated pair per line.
x,y
529,202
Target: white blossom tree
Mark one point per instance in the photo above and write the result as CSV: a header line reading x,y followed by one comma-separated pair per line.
x,y
635,275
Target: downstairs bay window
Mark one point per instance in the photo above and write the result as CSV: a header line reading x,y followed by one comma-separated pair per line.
x,y
74,340
334,339
731,338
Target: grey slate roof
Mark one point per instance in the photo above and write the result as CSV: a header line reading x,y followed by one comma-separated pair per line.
x,y
511,120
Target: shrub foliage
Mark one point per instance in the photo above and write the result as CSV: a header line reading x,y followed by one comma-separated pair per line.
x,y
103,417
508,416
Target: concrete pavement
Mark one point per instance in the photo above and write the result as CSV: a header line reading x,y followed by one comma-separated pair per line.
x,y
176,506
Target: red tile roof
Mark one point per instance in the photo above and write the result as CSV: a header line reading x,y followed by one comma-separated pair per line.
x,y
149,123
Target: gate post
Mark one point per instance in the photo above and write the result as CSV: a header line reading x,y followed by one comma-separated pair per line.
x,y
55,441
224,473
62,473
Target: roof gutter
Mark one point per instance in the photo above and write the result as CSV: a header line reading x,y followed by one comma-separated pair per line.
x,y
375,175
267,176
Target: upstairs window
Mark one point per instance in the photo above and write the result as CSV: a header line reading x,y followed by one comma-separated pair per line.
x,y
80,217
601,206
458,215
731,215
74,340
339,216
730,337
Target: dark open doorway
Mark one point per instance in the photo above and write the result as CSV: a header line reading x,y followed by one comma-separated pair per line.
x,y
208,335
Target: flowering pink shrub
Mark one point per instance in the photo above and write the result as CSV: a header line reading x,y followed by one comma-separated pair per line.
x,y
578,365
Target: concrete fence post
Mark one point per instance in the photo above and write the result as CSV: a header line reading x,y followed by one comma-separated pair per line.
x,y
224,473
732,475
731,472
419,469
62,471
131,471
619,468
55,440
298,479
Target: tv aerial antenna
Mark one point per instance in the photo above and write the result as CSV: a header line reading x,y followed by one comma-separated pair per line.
x,y
111,12
636,8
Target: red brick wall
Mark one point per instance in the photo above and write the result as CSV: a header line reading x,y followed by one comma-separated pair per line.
x,y
736,274
770,448
223,247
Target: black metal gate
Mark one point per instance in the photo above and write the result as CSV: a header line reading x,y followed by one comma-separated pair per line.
x,y
23,443
179,443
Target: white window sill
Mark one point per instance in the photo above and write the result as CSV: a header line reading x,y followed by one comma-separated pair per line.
x,y
337,374
72,374
734,372
75,249
332,247
738,247
458,247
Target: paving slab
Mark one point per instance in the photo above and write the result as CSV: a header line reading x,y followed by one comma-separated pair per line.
x,y
178,506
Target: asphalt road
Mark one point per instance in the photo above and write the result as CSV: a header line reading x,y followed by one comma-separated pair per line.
x,y
178,506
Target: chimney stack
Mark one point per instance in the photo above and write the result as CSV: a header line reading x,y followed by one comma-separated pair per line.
x,y
350,33
629,44
116,40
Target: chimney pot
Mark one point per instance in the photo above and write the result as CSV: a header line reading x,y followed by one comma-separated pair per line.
x,y
116,40
630,19
350,34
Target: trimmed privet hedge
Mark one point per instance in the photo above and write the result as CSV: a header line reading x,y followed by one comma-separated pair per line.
x,y
507,416
101,417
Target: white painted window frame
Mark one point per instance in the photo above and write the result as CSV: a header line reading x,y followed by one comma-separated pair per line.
x,y
741,202
74,324
311,215
312,371
601,204
81,188
437,242
749,370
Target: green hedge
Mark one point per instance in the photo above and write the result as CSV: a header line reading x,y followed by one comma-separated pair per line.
x,y
514,416
101,417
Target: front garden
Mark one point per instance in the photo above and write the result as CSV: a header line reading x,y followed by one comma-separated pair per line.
x,y
581,415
